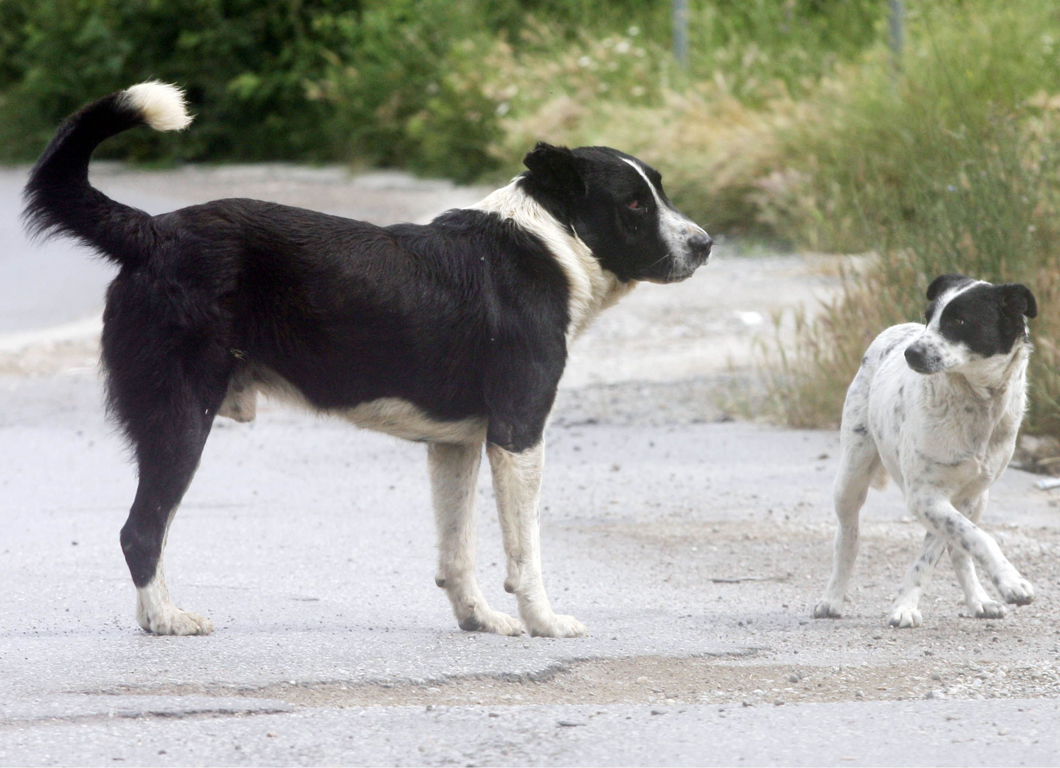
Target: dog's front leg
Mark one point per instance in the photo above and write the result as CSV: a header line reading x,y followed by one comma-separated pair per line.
x,y
906,610
942,518
517,484
978,600
454,476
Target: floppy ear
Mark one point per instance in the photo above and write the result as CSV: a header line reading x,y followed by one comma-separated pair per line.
x,y
944,283
555,169
1018,297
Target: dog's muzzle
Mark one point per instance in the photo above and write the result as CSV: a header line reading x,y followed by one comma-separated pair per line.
x,y
918,358
699,245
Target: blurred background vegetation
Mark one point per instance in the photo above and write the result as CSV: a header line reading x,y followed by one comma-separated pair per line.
x,y
793,124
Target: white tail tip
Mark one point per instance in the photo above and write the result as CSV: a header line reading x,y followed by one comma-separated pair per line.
x,y
161,104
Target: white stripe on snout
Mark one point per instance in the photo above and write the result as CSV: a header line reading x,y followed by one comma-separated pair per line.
x,y
675,227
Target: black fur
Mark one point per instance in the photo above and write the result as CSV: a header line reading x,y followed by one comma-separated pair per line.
x,y
464,317
600,197
988,319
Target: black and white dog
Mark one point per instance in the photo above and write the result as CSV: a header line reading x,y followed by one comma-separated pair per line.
x,y
937,407
454,333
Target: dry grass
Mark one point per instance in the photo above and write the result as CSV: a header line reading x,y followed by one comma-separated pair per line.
x,y
951,166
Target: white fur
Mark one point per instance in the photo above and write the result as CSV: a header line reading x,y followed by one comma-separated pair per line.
x,y
945,438
674,227
161,104
454,476
401,418
389,415
156,613
517,485
592,289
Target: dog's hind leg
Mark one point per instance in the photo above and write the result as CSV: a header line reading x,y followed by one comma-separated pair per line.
x,y
454,476
167,462
978,600
517,483
166,376
858,465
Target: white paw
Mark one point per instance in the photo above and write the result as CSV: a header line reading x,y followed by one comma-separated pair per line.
x,y
492,621
1016,591
556,625
988,609
904,616
828,609
173,621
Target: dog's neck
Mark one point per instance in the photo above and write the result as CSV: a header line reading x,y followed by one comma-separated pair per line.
x,y
993,380
592,288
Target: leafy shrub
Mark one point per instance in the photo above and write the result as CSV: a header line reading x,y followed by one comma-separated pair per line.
x,y
246,61
405,88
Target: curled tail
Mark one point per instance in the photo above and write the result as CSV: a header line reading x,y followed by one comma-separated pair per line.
x,y
58,198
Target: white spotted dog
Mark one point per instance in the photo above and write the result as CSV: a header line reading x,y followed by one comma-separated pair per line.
x,y
937,407
454,333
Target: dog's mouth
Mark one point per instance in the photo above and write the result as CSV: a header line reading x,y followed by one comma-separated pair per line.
x,y
683,268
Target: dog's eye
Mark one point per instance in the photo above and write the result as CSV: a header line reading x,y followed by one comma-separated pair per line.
x,y
634,205
957,322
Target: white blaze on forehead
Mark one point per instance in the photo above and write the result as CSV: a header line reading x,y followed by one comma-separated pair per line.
x,y
946,297
674,227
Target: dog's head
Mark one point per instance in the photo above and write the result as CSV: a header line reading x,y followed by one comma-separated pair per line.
x,y
969,321
615,203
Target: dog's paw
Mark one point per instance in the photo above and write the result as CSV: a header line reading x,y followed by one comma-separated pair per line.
x,y
828,609
988,609
904,616
173,621
557,625
493,621
1016,591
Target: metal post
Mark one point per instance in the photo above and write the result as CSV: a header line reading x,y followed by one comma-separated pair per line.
x,y
680,22
897,22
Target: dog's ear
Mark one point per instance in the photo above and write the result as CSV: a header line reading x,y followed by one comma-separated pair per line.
x,y
555,169
1018,297
943,283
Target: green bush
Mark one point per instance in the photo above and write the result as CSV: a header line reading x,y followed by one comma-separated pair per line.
x,y
245,62
405,89
391,82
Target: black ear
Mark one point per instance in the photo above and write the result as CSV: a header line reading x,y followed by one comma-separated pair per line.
x,y
555,169
943,283
1018,297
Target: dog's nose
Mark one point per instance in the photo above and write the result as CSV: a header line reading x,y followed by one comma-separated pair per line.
x,y
700,244
915,357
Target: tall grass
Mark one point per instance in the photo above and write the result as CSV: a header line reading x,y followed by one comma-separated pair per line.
x,y
955,168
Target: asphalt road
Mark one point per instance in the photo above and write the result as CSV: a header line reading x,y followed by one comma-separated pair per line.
x,y
692,548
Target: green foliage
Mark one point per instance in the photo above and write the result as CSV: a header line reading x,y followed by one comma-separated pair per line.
x,y
405,88
247,60
391,82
